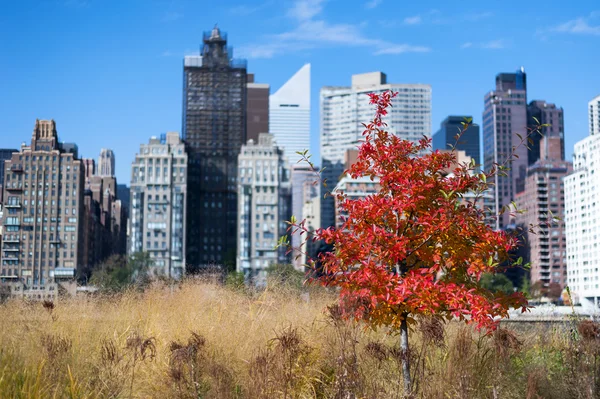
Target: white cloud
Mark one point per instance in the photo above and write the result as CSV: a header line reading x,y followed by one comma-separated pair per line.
x,y
312,32
413,20
171,16
373,3
490,45
400,49
579,26
589,25
244,9
494,44
304,10
166,54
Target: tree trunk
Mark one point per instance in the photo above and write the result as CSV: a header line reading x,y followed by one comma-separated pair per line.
x,y
404,352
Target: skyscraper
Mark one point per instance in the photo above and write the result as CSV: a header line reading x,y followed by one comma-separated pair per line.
x,y
551,116
582,190
289,114
214,128
444,138
158,204
544,196
106,162
43,192
344,109
264,207
504,118
257,115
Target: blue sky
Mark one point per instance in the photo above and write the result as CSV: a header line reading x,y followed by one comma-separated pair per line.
x,y
110,71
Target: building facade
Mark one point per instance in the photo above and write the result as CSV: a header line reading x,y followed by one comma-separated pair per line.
x,y
257,113
289,115
543,200
106,162
263,207
594,116
159,204
5,154
551,118
344,109
42,249
214,129
582,190
504,118
305,187
445,138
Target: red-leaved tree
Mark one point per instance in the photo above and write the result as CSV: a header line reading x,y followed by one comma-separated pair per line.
x,y
418,246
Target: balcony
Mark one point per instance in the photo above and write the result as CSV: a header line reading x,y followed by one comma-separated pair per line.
x,y
15,258
14,187
63,272
16,168
11,249
13,240
12,205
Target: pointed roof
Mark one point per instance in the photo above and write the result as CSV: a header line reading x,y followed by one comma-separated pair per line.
x,y
295,91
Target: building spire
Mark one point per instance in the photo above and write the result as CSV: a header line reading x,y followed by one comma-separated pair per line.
x,y
216,33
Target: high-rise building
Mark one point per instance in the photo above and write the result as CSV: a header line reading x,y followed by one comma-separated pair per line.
x,y
305,186
257,113
542,199
504,119
5,154
445,138
214,128
264,207
289,114
551,118
344,109
158,204
42,249
582,190
106,162
594,116
123,193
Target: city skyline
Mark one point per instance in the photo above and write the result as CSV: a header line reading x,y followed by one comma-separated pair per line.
x,y
136,81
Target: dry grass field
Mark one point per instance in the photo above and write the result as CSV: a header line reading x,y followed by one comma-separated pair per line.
x,y
203,340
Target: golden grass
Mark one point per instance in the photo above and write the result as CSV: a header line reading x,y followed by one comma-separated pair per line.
x,y
203,340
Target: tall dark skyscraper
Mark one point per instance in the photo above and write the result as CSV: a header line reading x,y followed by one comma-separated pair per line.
x,y
214,129
446,136
504,118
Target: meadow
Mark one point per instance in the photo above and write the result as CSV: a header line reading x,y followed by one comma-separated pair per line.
x,y
201,339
